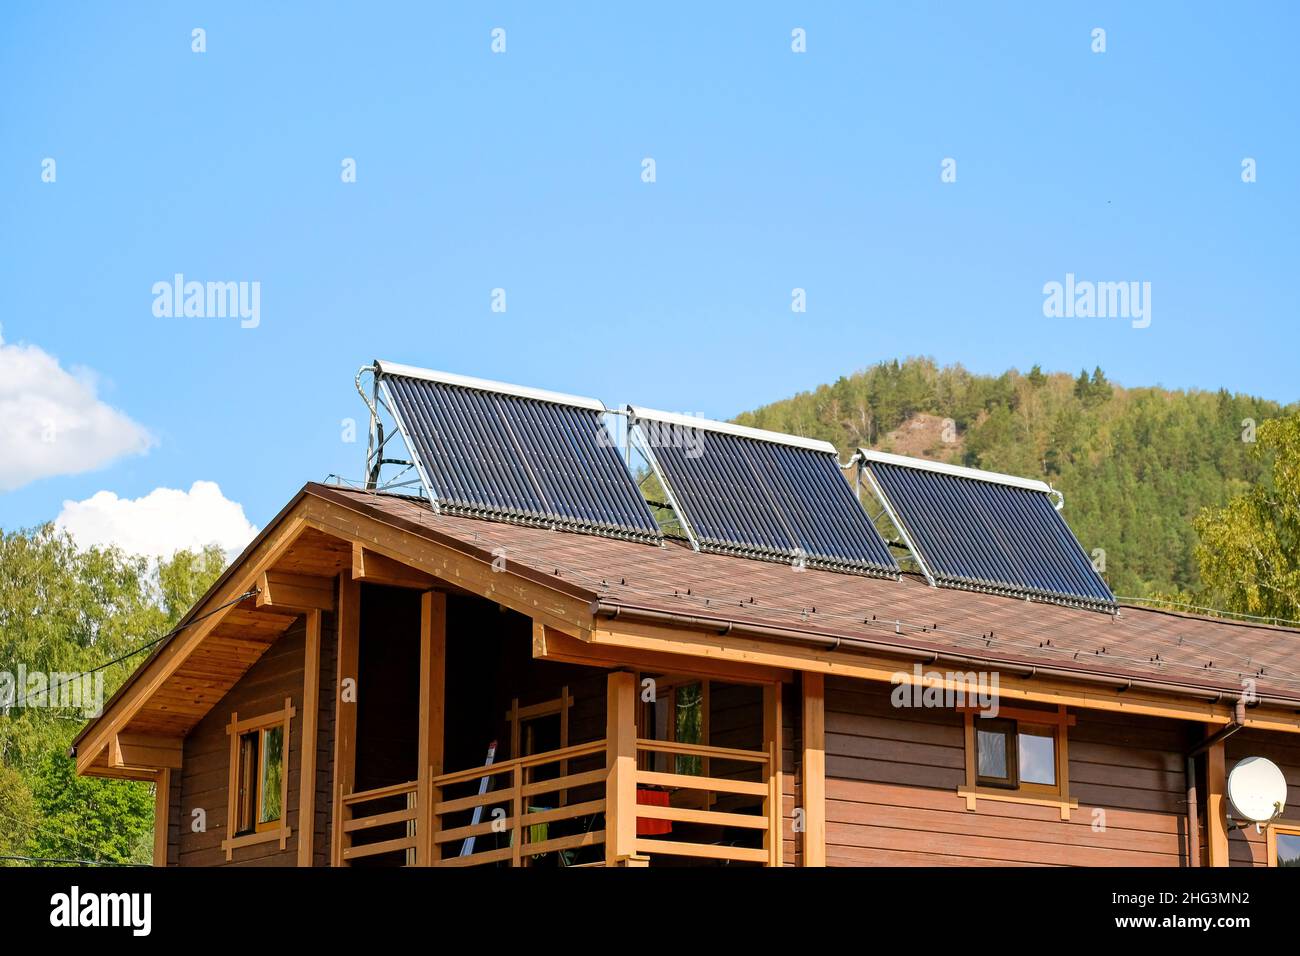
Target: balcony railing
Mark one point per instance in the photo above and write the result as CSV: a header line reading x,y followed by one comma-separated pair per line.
x,y
524,810
380,813
740,833
549,809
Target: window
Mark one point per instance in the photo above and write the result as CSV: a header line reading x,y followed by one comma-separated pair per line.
x,y
259,778
1037,755
261,775
1018,755
678,713
1284,846
995,752
1015,754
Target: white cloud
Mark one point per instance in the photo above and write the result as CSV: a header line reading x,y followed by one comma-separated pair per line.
x,y
52,422
160,523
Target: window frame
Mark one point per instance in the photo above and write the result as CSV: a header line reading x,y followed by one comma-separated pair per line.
x,y
666,690
1057,731
237,730
1287,828
1010,735
1013,789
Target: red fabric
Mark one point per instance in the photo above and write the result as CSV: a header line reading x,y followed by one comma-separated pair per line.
x,y
652,798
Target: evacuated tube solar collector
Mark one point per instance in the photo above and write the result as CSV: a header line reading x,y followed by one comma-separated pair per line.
x,y
493,450
983,531
761,494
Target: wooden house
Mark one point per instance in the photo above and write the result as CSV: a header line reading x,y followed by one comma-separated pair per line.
x,y
377,681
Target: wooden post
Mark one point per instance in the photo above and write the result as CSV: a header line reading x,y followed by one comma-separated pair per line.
x,y
812,770
161,807
517,810
772,743
345,712
620,764
310,714
433,676
1216,808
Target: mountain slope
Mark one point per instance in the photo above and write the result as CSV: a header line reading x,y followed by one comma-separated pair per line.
x,y
1136,465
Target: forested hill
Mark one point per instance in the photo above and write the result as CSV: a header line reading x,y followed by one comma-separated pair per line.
x,y
1136,465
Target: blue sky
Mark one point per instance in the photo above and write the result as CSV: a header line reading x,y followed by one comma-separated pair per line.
x,y
522,171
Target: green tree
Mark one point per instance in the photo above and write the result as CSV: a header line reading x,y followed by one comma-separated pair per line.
x,y
1249,551
17,815
80,818
65,610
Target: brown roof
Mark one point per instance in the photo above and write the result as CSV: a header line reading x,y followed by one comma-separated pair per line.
x,y
1182,650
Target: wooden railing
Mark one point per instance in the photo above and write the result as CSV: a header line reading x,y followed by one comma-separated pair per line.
x,y
742,832
549,809
513,808
394,810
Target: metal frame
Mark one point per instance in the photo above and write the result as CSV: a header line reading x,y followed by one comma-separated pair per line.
x,y
742,431
430,490
959,471
487,385
377,439
896,521
634,431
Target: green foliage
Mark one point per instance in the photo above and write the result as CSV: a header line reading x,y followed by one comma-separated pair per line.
x,y
1136,466
1249,551
17,814
66,611
185,578
82,818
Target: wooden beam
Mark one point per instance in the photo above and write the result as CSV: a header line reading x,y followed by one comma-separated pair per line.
x,y
433,677
620,765
346,693
773,835
873,667
310,715
156,671
371,567
296,592
455,567
161,809
552,644
145,752
812,770
119,773
1216,805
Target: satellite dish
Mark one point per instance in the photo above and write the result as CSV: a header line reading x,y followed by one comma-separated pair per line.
x,y
1256,790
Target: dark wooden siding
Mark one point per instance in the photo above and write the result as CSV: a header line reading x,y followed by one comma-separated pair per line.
x,y
329,644
205,774
892,779
174,821
791,770
1245,846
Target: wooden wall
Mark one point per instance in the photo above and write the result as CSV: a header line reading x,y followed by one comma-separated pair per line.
x,y
329,644
1246,847
204,778
174,821
892,776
